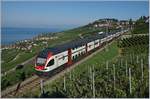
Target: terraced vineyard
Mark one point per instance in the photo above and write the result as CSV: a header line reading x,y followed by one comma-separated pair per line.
x,y
126,75
13,57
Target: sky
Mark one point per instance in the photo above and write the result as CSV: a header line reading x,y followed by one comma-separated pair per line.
x,y
45,14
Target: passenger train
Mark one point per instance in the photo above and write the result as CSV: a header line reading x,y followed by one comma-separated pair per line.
x,y
52,58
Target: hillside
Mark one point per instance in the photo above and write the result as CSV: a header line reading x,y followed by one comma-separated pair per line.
x,y
141,26
20,52
31,47
120,71
105,25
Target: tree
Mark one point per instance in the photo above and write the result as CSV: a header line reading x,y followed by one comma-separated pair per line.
x,y
21,75
5,83
130,23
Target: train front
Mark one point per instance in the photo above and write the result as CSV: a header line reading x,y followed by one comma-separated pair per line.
x,y
44,62
40,64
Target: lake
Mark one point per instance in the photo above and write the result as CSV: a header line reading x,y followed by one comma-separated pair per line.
x,y
11,35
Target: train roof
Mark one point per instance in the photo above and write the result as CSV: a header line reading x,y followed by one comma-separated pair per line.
x,y
73,44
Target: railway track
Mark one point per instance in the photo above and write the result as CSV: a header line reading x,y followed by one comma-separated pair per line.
x,y
19,87
30,85
34,83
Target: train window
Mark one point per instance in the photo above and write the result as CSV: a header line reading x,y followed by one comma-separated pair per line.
x,y
63,57
96,43
90,46
79,53
76,56
51,62
73,57
41,61
82,53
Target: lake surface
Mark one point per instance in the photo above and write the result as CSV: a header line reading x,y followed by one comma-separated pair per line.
x,y
11,35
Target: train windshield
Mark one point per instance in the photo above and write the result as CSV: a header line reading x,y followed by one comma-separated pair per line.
x,y
51,62
40,61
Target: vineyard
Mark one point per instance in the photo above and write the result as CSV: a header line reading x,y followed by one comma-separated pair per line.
x,y
123,74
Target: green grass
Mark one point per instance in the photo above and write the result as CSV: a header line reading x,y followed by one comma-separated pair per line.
x,y
9,55
100,58
23,56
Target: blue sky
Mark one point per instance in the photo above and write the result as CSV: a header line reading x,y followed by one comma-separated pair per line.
x,y
67,14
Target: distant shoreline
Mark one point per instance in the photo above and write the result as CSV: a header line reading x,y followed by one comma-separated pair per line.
x,y
10,36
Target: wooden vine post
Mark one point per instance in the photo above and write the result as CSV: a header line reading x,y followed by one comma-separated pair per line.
x,y
41,86
107,65
137,59
64,83
130,86
142,68
126,68
93,81
91,77
114,75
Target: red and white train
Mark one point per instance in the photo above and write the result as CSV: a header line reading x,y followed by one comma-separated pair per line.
x,y
52,58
